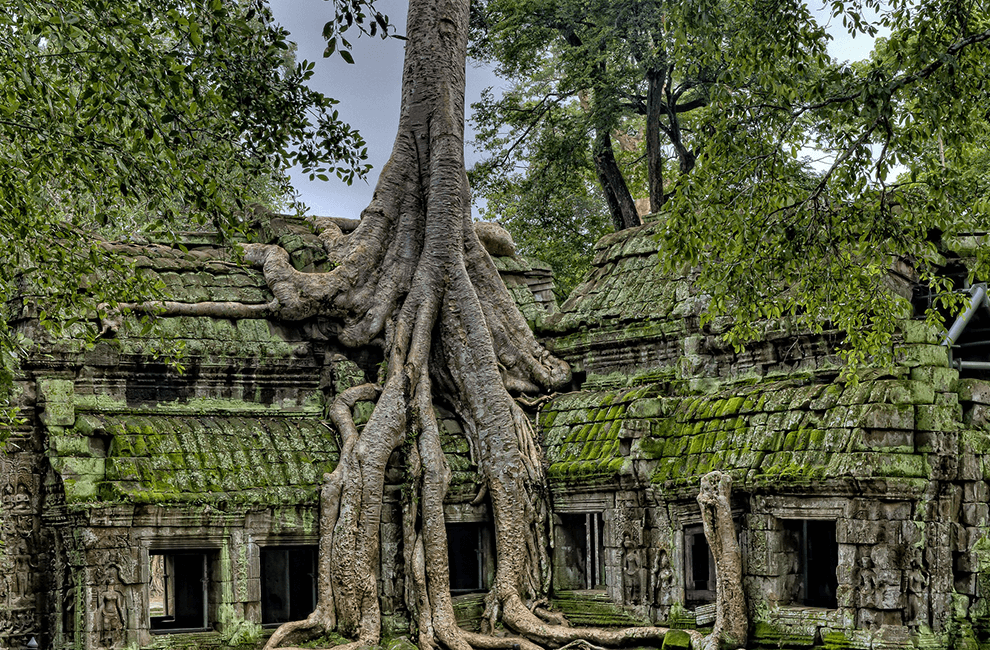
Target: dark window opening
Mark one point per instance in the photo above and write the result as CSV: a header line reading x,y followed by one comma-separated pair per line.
x,y
179,584
815,559
464,557
579,553
699,566
288,584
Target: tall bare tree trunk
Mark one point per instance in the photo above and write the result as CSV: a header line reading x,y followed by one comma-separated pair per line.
x,y
654,147
731,618
617,196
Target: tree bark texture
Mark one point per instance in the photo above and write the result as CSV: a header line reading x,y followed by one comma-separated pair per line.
x,y
617,196
654,147
731,619
413,277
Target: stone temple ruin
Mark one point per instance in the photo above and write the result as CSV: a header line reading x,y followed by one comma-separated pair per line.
x,y
145,508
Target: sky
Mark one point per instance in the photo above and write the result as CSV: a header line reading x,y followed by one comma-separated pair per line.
x,y
368,90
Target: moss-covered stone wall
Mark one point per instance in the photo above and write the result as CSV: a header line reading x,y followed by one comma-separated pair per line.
x,y
889,466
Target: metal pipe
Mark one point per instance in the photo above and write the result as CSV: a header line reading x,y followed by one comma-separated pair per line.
x,y
978,294
971,365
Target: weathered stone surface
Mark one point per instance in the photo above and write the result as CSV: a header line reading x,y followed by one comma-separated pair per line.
x,y
228,459
676,640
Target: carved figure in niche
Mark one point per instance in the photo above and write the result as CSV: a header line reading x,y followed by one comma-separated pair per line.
x,y
69,612
916,586
631,569
22,497
23,579
662,580
112,620
867,582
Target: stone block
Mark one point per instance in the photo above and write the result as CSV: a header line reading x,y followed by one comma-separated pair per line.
x,y
56,396
912,532
759,551
977,416
762,588
889,594
974,390
932,417
887,416
895,510
922,355
846,595
959,538
846,563
252,610
901,391
918,331
975,514
976,491
857,531
676,640
888,438
941,380
253,589
947,399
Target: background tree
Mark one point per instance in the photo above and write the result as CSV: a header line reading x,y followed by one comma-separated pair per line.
x,y
122,116
656,61
805,177
551,202
618,92
775,241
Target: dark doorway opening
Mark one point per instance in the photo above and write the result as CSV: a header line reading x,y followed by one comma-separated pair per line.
x,y
179,585
817,553
464,557
579,552
699,566
288,583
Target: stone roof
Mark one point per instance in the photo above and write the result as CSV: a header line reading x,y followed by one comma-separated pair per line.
x,y
630,317
581,433
176,459
793,429
530,282
626,285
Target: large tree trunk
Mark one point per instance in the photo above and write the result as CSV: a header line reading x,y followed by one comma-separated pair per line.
x,y
731,617
617,196
654,145
414,278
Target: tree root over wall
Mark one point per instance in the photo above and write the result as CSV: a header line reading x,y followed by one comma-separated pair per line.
x,y
414,278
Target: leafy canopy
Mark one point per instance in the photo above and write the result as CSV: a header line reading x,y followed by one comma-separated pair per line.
x,y
807,179
781,238
627,79
121,117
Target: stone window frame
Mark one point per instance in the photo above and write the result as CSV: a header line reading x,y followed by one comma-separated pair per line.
x,y
599,504
784,508
477,514
210,548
